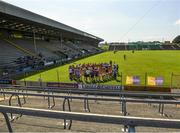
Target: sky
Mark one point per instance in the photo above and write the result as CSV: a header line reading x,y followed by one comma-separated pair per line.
x,y
113,20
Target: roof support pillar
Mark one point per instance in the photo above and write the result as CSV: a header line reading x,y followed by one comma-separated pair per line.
x,y
61,40
34,39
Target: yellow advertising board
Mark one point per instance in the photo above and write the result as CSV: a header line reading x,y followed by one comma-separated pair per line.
x,y
151,80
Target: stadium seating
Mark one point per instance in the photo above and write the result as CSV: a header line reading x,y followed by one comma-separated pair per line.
x,y
145,47
88,49
176,40
132,47
54,49
19,54
176,46
119,47
8,54
167,47
42,47
111,47
150,46
155,47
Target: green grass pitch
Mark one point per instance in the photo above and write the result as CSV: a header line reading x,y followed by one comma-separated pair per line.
x,y
155,63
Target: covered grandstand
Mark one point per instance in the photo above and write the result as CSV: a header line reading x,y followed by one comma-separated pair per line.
x,y
177,40
30,41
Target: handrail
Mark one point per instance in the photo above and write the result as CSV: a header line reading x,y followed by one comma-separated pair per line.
x,y
121,99
97,91
131,122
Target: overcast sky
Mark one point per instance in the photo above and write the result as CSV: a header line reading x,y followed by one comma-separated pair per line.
x,y
113,20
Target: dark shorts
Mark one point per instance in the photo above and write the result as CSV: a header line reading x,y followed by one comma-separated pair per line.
x,y
86,75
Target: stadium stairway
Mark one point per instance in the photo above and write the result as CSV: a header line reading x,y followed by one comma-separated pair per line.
x,y
27,52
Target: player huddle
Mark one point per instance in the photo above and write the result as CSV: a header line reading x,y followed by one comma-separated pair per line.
x,y
93,72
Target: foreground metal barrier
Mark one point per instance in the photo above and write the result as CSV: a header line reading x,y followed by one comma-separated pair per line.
x,y
18,103
96,92
131,122
122,100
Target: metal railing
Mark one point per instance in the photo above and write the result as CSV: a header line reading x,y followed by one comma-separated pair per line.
x,y
130,122
95,91
86,99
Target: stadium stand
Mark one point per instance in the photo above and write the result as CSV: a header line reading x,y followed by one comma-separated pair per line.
x,y
30,41
145,46
130,47
86,49
176,40
8,53
75,47
24,52
168,47
176,47
155,47
117,47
